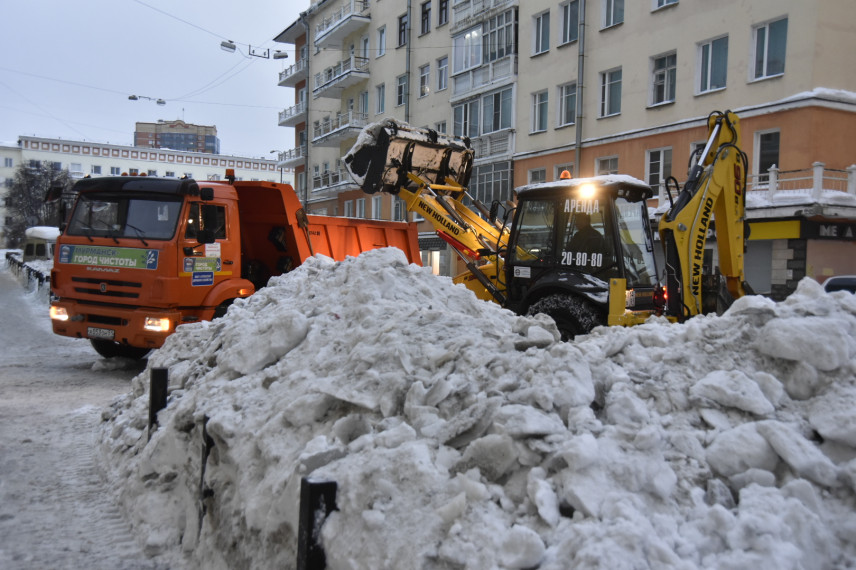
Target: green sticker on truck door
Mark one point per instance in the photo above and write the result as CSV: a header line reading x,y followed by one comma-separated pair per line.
x,y
129,257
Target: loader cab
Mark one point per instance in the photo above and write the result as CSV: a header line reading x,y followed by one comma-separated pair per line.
x,y
570,237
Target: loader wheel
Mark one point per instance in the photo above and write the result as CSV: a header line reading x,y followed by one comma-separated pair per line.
x,y
110,349
573,315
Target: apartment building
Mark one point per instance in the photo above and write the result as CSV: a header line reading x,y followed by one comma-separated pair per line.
x,y
177,135
84,158
595,87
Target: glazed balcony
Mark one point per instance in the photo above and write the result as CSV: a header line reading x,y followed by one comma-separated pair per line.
x,y
331,81
332,131
293,115
466,13
294,73
349,17
484,77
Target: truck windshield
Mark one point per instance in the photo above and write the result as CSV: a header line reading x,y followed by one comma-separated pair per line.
x,y
125,215
636,244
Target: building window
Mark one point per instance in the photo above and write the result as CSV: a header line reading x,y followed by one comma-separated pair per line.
x,y
424,80
349,208
606,165
399,210
115,171
567,104
170,174
426,17
767,151
610,93
377,207
537,175
663,79
440,127
663,3
500,36
613,12
467,50
7,162
541,34
402,30
401,90
442,73
381,41
134,171
364,104
380,106
361,207
539,111
466,118
770,43
496,111
96,169
570,21
443,12
659,167
154,173
713,64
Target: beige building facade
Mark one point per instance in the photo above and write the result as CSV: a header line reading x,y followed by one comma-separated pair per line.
x,y
593,87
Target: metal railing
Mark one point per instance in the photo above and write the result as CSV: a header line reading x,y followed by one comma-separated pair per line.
x,y
292,154
292,112
339,122
330,178
336,72
295,68
343,12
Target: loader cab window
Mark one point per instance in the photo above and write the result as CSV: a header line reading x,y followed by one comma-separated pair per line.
x,y
195,222
637,247
535,237
586,237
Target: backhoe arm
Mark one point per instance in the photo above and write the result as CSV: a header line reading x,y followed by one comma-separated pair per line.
x,y
715,189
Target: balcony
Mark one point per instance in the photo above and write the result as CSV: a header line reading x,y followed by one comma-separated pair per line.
x,y
492,145
333,130
291,158
340,76
293,115
332,180
484,77
466,13
349,17
293,74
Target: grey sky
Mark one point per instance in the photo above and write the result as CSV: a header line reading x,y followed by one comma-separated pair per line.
x,y
68,68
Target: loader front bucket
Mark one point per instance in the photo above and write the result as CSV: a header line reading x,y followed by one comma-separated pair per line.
x,y
387,151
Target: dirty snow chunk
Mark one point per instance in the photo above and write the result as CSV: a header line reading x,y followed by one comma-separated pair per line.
x,y
820,342
800,454
522,548
541,494
832,415
251,344
732,389
536,336
524,421
740,449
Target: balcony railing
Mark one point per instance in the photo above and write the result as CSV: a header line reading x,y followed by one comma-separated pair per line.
x,y
485,76
492,145
293,73
291,157
347,18
468,12
343,74
292,115
331,178
341,126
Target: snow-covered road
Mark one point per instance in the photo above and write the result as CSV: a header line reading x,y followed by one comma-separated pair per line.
x,y
55,510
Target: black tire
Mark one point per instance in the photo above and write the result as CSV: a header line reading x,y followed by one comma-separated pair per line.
x,y
573,315
110,349
222,308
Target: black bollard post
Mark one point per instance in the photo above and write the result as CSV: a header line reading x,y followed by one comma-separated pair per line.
x,y
158,382
317,501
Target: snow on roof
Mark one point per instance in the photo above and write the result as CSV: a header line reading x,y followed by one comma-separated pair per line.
x,y
42,232
462,435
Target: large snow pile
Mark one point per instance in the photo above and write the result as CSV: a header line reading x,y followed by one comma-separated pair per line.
x,y
464,436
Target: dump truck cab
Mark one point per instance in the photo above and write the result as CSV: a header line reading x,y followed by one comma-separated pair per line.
x,y
572,238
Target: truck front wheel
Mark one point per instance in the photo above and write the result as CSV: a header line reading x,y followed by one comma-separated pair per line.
x,y
573,315
110,349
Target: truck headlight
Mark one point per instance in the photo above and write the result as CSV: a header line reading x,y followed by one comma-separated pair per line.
x,y
156,324
59,313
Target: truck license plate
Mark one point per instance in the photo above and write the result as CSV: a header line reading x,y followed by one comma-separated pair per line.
x,y
94,332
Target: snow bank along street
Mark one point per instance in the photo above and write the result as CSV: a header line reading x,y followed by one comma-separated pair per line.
x,y
462,435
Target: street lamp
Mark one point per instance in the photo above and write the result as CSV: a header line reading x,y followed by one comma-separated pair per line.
x,y
231,47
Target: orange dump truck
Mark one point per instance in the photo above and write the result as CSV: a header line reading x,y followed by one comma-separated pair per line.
x,y
141,255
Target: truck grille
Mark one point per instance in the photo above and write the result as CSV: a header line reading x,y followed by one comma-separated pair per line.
x,y
107,287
